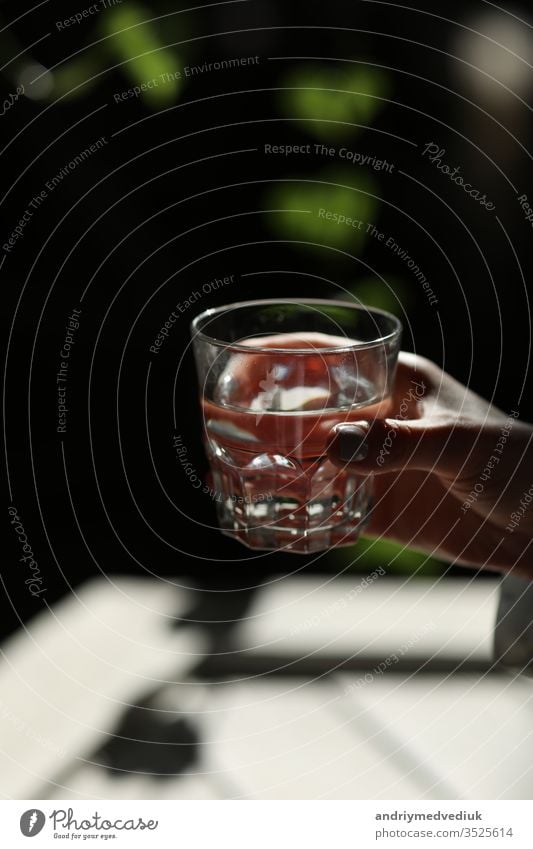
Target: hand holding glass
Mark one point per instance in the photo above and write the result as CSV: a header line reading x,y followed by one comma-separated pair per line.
x,y
275,377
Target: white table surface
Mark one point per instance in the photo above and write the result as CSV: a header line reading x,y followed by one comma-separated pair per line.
x,y
68,677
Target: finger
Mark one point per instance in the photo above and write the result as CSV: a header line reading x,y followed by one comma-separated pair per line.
x,y
386,445
417,510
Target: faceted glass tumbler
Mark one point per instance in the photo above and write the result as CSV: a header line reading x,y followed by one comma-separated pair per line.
x,y
275,377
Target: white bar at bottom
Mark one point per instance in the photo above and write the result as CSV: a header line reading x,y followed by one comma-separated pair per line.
x,y
267,824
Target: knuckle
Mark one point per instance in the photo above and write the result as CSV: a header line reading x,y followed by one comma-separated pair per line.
x,y
422,365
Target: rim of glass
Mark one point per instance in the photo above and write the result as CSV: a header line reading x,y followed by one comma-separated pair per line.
x,y
235,346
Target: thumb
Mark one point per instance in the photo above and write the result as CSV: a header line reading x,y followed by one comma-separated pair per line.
x,y
389,445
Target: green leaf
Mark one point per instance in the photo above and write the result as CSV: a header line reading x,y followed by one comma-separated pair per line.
x,y
146,61
393,295
333,99
74,79
368,554
333,212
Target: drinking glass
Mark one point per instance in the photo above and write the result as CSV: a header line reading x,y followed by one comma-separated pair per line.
x,y
275,376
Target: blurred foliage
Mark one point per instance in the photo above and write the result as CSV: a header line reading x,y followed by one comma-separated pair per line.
x,y
332,99
335,193
369,554
334,102
127,36
77,76
392,294
135,41
337,103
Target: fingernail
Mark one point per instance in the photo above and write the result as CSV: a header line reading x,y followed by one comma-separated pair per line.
x,y
353,444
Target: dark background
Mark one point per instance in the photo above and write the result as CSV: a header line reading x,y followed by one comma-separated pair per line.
x,y
168,205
